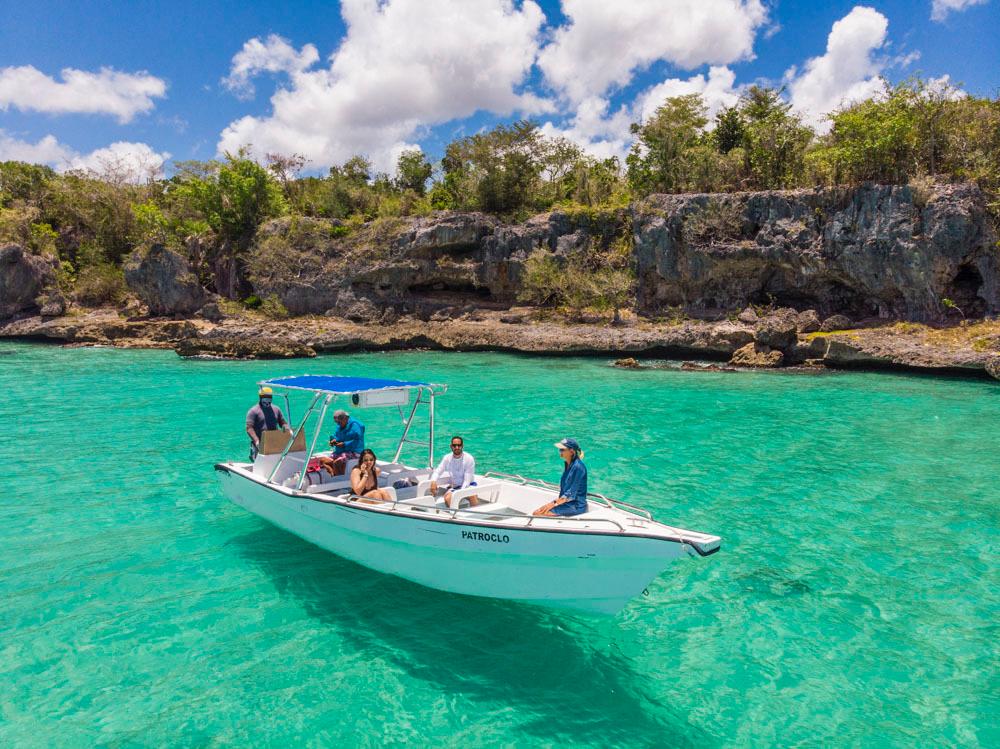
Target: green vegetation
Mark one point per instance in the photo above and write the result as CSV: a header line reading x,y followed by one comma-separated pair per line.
x,y
587,279
914,133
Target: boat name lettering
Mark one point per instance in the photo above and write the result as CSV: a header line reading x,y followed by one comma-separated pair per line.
x,y
494,537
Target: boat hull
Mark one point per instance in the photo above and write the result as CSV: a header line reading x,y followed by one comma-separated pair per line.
x,y
592,572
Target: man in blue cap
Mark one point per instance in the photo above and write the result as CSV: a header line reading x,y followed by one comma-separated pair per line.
x,y
572,498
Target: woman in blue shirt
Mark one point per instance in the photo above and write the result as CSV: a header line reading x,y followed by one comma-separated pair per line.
x,y
572,486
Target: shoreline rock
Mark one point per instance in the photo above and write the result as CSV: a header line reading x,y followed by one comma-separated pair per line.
x,y
901,346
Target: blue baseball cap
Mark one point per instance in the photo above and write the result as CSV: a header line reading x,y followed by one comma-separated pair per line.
x,y
568,444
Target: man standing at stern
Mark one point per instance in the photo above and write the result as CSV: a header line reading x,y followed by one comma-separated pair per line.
x,y
263,416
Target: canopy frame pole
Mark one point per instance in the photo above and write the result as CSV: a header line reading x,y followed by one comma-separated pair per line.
x,y
295,434
312,445
430,440
406,429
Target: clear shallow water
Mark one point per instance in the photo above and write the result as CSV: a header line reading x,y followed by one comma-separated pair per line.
x,y
856,599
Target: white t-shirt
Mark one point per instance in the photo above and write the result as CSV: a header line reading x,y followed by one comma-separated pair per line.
x,y
461,470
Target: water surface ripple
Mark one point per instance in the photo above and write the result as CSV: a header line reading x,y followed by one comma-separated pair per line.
x,y
856,600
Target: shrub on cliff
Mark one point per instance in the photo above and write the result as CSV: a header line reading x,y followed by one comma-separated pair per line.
x,y
100,284
914,128
660,160
759,143
541,280
602,281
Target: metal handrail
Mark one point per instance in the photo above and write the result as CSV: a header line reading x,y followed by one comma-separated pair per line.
x,y
453,513
614,504
291,440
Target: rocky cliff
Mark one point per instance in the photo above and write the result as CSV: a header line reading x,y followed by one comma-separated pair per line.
x,y
874,251
23,279
878,250
421,265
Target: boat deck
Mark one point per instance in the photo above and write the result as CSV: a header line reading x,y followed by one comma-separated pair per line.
x,y
505,501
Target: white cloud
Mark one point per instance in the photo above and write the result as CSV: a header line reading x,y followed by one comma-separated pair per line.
x,y
123,95
130,162
603,134
941,8
718,91
402,66
944,88
604,42
273,55
599,133
46,151
848,70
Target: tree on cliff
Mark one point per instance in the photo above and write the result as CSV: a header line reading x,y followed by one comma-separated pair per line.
x,y
497,171
234,197
660,160
413,170
774,139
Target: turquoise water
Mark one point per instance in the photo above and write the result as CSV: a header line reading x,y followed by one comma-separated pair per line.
x,y
856,600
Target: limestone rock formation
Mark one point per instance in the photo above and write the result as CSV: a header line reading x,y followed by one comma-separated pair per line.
x,y
757,356
415,264
777,331
164,281
23,277
212,312
628,362
242,348
993,367
836,322
807,321
52,304
872,250
863,252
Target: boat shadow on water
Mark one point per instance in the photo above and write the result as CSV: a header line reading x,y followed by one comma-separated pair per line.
x,y
564,673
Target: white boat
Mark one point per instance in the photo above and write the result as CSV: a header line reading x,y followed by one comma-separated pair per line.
x,y
595,562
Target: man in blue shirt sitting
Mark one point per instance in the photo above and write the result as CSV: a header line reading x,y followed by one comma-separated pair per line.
x,y
347,442
572,498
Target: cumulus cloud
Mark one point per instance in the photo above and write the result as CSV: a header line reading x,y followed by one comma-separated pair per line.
x,y
603,133
599,132
719,90
402,66
273,55
131,162
48,150
941,8
604,43
848,70
112,92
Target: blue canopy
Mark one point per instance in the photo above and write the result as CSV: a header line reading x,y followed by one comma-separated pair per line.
x,y
342,385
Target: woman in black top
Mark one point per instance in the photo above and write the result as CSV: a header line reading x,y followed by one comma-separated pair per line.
x,y
364,478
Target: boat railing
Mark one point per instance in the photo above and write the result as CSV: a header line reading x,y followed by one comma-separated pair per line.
x,y
395,505
614,504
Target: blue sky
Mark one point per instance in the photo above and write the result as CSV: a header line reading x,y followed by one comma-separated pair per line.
x,y
421,72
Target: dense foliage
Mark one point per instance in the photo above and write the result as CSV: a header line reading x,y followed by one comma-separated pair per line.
x,y
212,210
